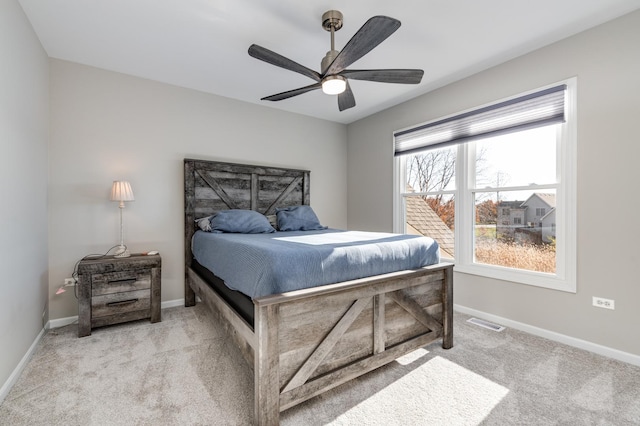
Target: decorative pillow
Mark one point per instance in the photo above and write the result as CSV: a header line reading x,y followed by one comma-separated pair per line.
x,y
237,221
240,221
298,218
204,223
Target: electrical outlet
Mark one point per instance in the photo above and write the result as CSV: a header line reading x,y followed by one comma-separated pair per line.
x,y
604,303
69,282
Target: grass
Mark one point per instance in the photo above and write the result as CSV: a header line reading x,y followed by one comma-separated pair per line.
x,y
540,258
485,232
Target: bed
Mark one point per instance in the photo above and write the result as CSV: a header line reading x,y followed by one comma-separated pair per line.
x,y
303,342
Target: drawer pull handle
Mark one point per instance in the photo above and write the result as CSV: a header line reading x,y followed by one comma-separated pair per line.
x,y
125,281
122,302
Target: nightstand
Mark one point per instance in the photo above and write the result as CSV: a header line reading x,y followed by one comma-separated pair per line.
x,y
112,290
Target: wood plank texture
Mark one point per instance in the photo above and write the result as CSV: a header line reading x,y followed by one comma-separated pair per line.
x,y
351,371
116,303
120,281
120,318
156,295
447,314
379,338
218,189
112,290
390,282
411,306
189,228
327,345
308,341
239,330
266,372
301,333
278,201
84,305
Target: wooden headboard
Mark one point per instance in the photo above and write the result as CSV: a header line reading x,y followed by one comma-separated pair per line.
x,y
211,186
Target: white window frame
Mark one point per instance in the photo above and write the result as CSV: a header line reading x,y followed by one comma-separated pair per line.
x,y
566,206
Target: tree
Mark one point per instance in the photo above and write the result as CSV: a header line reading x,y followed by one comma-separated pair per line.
x,y
487,212
444,209
433,171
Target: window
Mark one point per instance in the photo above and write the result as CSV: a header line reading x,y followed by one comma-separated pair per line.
x,y
495,186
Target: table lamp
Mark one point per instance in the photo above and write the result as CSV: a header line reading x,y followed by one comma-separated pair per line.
x,y
121,191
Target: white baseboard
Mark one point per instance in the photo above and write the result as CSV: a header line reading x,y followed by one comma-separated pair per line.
x,y
552,335
172,303
61,322
13,378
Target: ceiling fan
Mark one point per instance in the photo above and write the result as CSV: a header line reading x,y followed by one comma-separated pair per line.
x,y
333,78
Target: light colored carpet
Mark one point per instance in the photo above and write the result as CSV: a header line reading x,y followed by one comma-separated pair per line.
x,y
185,371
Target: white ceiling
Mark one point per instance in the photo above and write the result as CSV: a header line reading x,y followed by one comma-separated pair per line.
x,y
202,44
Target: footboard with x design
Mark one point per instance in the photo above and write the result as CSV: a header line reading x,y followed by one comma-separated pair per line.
x,y
309,341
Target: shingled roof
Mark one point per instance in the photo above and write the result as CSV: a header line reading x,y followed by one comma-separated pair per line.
x,y
550,199
422,220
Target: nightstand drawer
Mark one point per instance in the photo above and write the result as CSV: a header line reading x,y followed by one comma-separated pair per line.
x,y
120,303
121,281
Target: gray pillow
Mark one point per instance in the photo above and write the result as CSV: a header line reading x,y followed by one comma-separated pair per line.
x,y
237,221
204,224
298,218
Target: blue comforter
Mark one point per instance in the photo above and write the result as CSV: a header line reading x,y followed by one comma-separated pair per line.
x,y
263,264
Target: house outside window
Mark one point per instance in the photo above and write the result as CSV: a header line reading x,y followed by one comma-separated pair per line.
x,y
501,204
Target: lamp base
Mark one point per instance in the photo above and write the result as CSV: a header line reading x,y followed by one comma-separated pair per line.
x,y
122,252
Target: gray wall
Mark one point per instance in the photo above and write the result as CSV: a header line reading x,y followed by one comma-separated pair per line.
x,y
23,173
107,126
606,61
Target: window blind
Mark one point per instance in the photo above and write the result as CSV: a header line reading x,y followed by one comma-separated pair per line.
x,y
524,112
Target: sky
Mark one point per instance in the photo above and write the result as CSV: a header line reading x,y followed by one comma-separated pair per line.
x,y
519,159
516,160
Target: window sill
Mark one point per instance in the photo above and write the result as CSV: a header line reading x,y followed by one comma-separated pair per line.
x,y
537,279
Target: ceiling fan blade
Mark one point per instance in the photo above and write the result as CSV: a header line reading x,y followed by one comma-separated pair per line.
x,y
278,60
372,33
292,93
402,76
346,99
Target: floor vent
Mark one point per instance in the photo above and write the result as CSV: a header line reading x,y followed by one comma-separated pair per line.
x,y
486,324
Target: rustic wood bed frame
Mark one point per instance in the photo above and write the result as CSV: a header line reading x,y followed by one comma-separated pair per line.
x,y
306,342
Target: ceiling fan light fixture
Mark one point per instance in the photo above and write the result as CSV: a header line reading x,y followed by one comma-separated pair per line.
x,y
334,84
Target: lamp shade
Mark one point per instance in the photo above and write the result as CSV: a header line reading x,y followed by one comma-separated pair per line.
x,y
121,191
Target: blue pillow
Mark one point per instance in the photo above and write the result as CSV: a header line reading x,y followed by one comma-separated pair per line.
x,y
298,218
240,221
